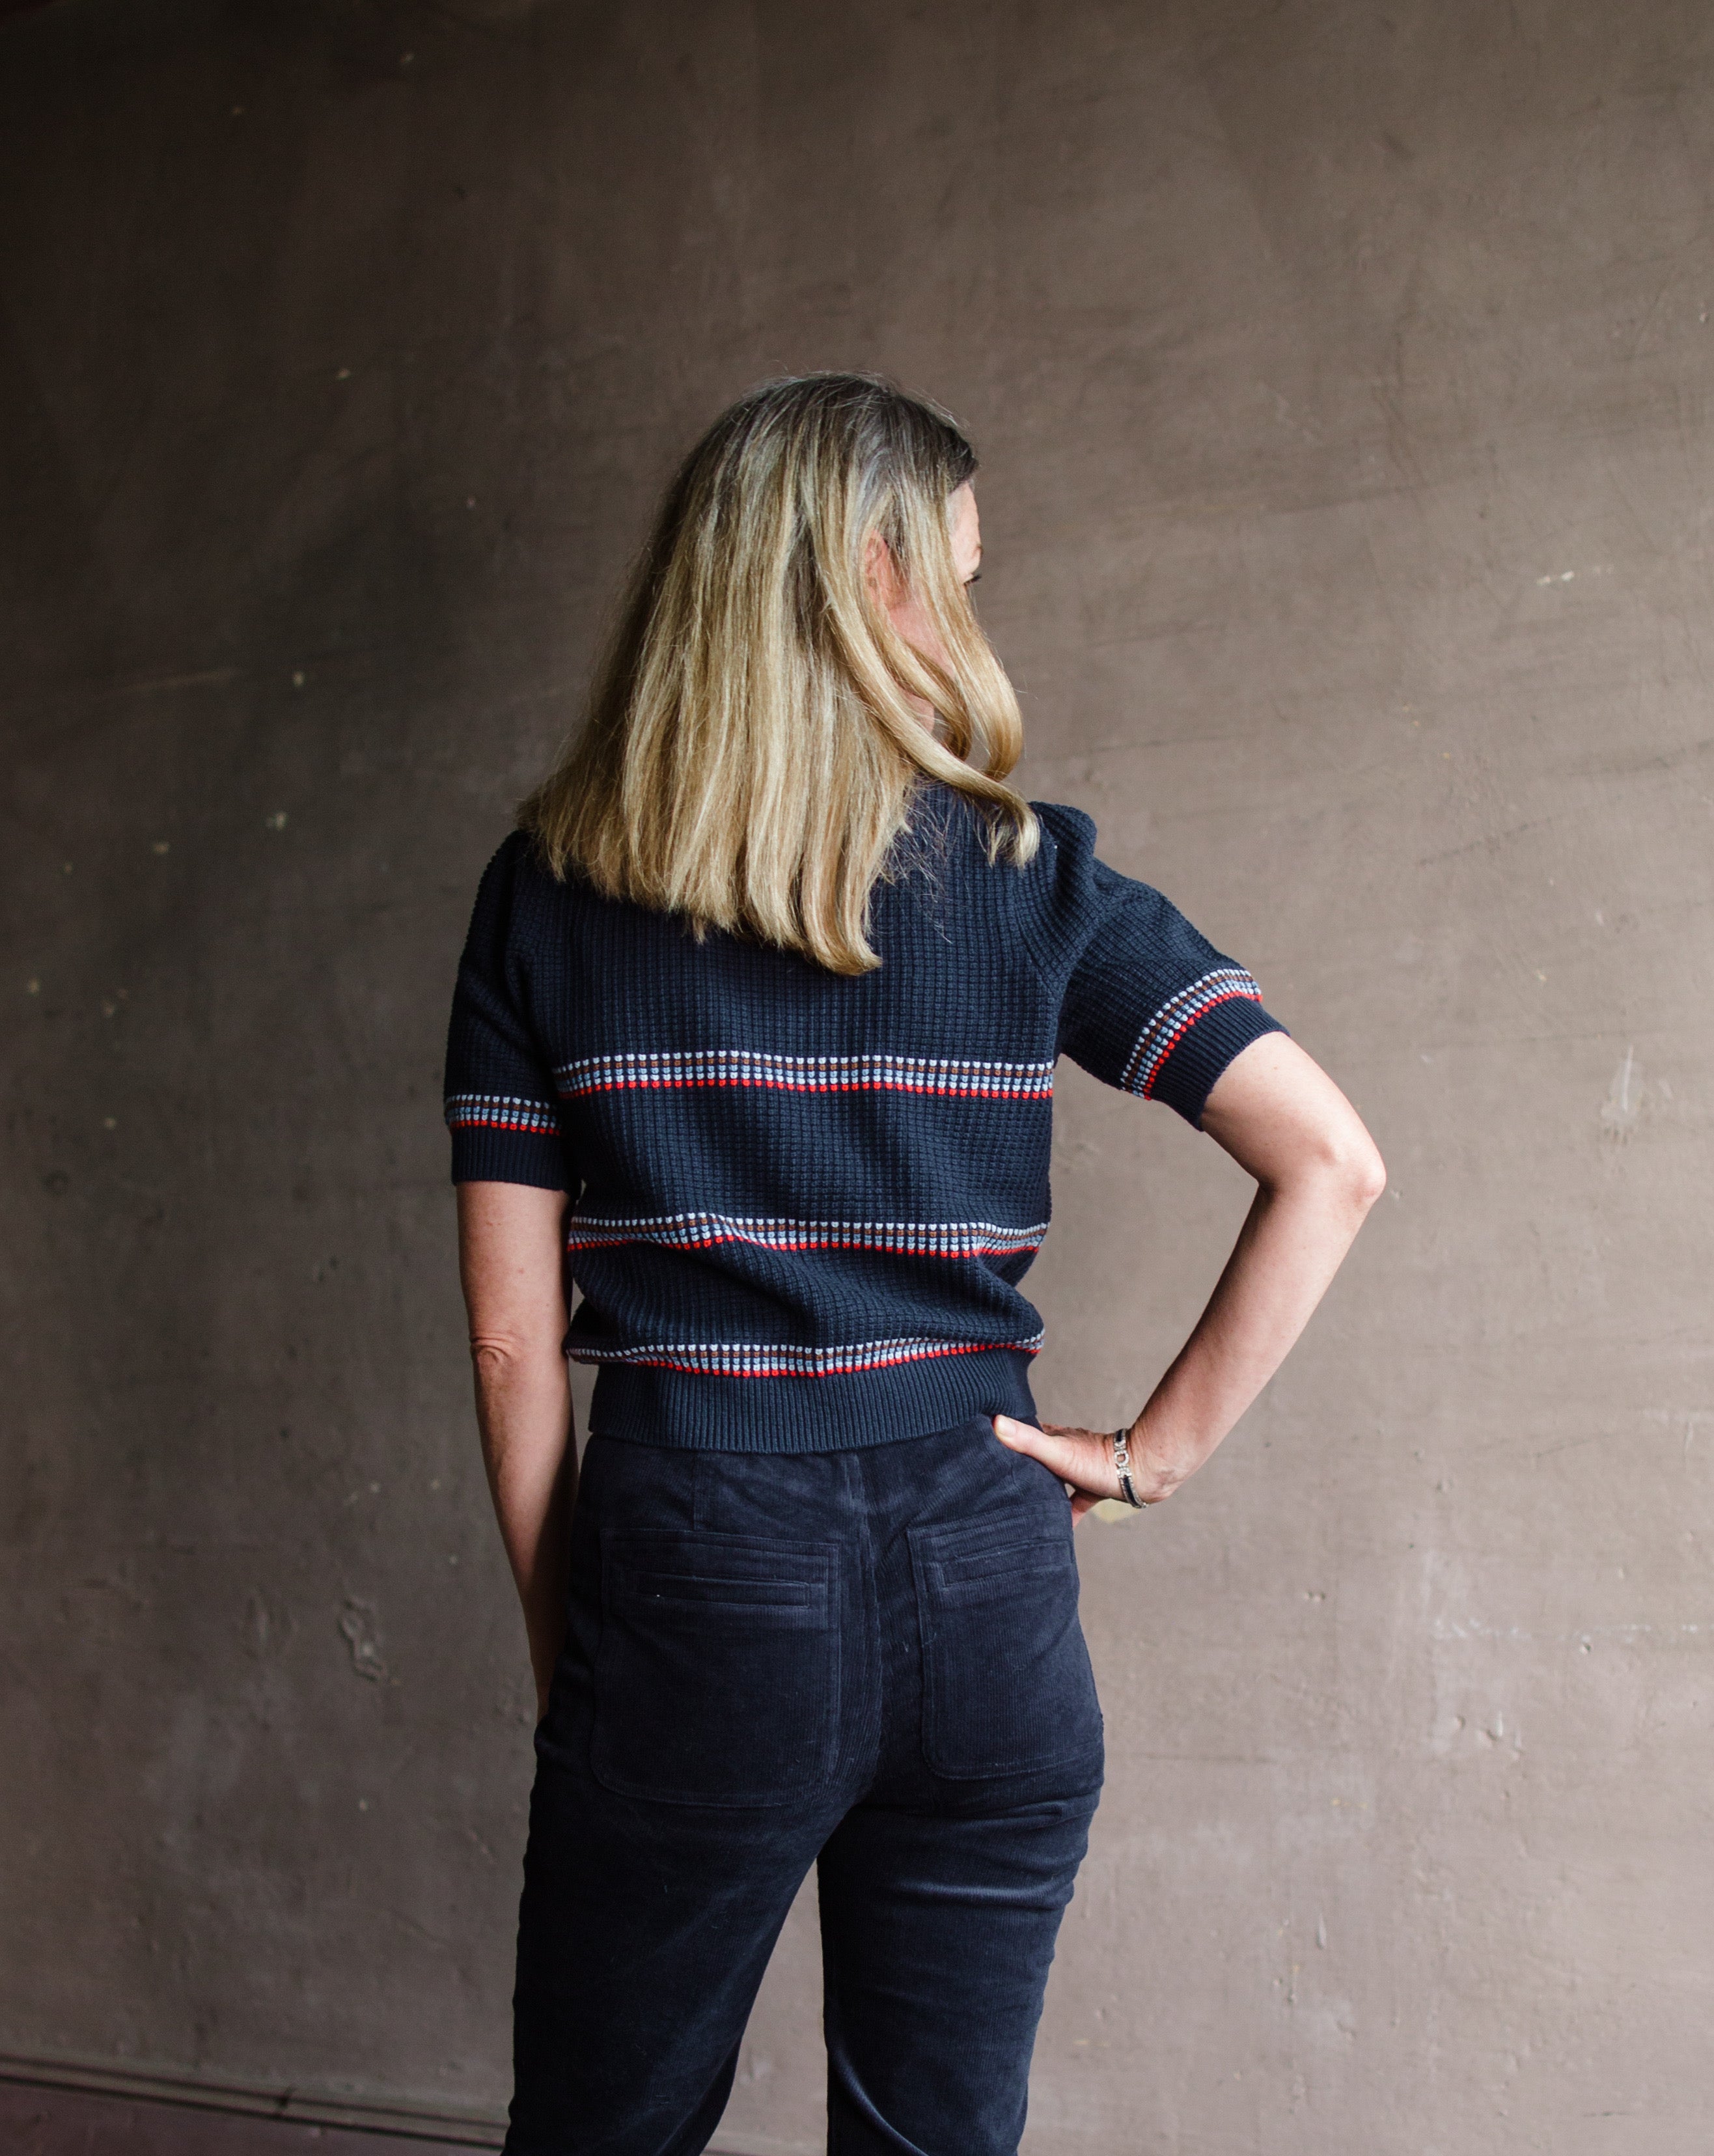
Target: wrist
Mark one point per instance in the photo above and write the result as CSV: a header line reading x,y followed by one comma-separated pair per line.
x,y
1156,1473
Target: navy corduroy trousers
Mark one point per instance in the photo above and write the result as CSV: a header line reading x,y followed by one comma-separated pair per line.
x,y
868,1660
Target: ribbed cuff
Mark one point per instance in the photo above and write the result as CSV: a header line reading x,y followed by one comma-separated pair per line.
x,y
1187,1077
484,1155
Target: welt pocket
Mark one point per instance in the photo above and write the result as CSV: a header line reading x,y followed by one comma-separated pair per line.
x,y
718,1587
1007,1683
997,1570
720,1601
717,1671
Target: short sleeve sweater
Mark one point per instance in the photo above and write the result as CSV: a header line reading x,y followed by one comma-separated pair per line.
x,y
802,1202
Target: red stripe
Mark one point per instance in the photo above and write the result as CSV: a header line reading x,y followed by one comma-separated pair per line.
x,y
1035,1092
1231,996
824,1243
852,1370
493,1123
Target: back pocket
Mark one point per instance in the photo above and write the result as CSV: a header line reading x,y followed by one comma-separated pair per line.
x,y
717,1676
1008,1686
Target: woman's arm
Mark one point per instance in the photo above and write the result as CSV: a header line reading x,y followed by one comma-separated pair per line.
x,y
510,1262
1317,1173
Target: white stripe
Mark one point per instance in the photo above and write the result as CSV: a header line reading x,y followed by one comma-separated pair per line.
x,y
501,1111
1160,1035
761,1358
806,1074
938,1239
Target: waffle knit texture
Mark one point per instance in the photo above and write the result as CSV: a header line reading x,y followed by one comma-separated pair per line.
x,y
802,1202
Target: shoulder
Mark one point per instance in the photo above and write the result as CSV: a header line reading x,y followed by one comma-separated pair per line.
x,y
1051,902
1070,876
1066,854
517,879
1078,877
1067,826
517,901
1078,900
515,861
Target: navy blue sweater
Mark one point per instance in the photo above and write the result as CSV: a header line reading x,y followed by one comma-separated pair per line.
x,y
802,1202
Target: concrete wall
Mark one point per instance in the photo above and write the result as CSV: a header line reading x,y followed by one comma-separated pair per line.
x,y
1343,381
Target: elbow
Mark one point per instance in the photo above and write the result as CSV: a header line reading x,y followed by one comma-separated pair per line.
x,y
1344,1166
1355,1165
1367,1176
497,1358
489,1357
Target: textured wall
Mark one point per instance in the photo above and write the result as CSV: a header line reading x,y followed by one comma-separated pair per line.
x,y
1343,383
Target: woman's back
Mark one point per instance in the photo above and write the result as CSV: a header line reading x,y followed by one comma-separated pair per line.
x,y
782,1174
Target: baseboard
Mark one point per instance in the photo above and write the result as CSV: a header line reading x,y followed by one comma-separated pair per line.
x,y
451,2127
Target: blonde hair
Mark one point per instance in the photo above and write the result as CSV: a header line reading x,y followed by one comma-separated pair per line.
x,y
749,755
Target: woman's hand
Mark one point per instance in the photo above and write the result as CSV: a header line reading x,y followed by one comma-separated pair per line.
x,y
1083,1458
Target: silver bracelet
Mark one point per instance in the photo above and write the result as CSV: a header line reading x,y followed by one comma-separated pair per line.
x,y
1121,1468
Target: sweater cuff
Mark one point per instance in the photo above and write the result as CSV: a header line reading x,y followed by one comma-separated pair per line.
x,y
499,1139
1185,1078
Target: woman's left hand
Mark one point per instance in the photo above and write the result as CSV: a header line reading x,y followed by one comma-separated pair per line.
x,y
1081,1457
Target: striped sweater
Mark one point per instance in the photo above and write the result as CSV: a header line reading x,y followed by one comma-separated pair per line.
x,y
801,1204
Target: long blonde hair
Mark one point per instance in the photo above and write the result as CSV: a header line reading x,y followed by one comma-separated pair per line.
x,y
749,754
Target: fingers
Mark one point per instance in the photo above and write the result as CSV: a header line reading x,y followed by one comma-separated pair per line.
x,y
1074,1455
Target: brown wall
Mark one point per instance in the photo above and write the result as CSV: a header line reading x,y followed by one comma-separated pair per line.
x,y
1343,382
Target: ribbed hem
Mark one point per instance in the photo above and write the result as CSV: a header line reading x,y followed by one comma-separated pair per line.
x,y
651,1406
1187,1077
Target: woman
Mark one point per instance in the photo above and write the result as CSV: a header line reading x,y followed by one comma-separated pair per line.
x,y
754,1038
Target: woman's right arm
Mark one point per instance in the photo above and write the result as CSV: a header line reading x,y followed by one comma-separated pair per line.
x,y
510,1264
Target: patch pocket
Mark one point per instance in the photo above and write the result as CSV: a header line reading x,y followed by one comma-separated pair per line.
x,y
717,1671
1007,1682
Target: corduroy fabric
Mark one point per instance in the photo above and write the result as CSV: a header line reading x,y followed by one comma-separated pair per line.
x,y
803,1203
867,1660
